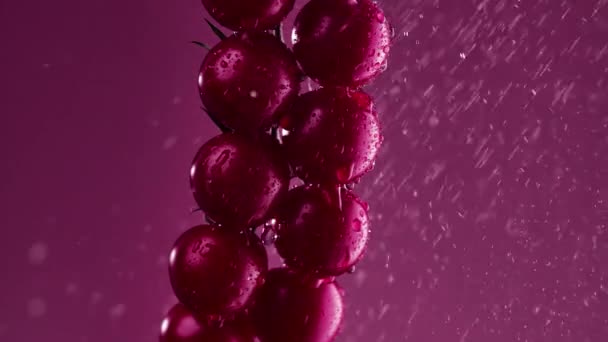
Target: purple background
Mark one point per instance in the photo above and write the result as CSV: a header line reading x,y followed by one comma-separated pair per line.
x,y
489,200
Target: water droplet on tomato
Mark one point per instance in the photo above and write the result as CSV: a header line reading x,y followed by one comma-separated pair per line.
x,y
269,232
357,225
344,173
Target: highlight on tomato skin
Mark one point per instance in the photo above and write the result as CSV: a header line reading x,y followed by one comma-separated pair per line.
x,y
181,325
293,307
342,42
333,136
248,80
237,182
215,271
322,231
240,15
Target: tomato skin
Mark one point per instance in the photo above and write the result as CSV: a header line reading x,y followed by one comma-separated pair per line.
x,y
248,80
237,182
334,136
239,15
342,42
322,231
215,271
291,307
180,325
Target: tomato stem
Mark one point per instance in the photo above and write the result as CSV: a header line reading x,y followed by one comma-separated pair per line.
x,y
201,44
221,35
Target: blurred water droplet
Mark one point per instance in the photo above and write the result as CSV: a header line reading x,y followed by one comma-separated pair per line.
x,y
36,307
169,143
38,253
71,289
433,121
117,311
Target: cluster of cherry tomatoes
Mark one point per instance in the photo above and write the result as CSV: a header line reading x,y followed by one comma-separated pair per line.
x,y
272,134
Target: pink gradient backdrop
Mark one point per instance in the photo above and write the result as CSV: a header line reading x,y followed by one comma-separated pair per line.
x,y
489,200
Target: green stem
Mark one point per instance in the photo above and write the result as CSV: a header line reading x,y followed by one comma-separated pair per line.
x,y
203,45
221,35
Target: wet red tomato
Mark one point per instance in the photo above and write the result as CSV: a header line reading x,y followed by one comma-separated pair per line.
x,y
248,80
290,307
238,15
321,231
215,271
180,325
342,42
333,135
236,182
